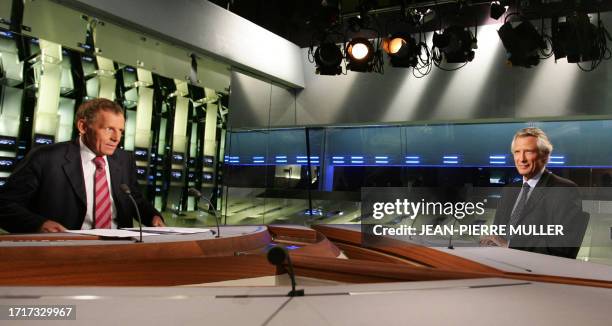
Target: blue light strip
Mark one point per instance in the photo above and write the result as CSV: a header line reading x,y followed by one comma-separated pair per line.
x,y
356,157
557,159
413,159
381,162
337,157
356,162
497,159
450,159
411,165
381,157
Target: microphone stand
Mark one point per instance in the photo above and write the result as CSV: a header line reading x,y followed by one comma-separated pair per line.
x,y
198,194
127,191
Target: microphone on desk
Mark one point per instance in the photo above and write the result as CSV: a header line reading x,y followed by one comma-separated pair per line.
x,y
450,240
197,193
277,256
127,191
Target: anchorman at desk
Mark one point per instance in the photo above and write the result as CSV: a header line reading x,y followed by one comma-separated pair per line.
x,y
541,200
77,184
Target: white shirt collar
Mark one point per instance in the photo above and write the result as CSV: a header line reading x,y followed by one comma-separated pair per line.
x,y
534,181
86,153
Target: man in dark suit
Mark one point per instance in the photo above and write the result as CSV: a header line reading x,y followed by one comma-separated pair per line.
x,y
76,184
539,200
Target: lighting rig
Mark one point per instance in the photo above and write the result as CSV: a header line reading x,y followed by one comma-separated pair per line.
x,y
358,44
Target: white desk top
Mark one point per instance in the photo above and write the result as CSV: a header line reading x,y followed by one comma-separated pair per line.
x,y
460,302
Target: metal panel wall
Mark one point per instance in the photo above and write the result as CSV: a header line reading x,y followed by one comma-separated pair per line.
x,y
204,26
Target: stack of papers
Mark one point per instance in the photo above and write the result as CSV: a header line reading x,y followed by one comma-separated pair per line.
x,y
113,233
134,232
168,230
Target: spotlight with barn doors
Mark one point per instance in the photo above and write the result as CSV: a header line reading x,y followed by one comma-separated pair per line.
x,y
360,55
580,40
328,58
523,43
456,44
402,50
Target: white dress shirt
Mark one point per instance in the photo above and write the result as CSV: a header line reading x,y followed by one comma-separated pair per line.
x,y
89,172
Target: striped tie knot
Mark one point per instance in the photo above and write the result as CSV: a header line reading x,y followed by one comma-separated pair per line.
x,y
100,163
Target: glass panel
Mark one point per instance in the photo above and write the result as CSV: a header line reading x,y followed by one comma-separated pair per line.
x,y
266,179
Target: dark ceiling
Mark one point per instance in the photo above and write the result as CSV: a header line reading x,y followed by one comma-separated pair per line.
x,y
302,21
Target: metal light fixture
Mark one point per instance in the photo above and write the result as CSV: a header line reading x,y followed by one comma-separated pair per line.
x,y
457,44
402,50
522,43
360,54
328,58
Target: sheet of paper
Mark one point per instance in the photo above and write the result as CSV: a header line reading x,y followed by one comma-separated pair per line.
x,y
169,229
115,233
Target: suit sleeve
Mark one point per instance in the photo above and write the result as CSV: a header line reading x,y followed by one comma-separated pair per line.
x,y
17,194
147,210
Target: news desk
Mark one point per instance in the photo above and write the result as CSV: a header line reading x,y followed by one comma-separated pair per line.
x,y
323,252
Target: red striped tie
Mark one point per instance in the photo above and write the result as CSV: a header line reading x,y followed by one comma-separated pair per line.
x,y
102,200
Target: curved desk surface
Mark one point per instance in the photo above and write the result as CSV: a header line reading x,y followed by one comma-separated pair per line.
x,y
165,260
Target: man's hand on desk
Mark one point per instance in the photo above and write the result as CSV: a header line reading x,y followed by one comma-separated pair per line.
x,y
157,221
51,226
493,240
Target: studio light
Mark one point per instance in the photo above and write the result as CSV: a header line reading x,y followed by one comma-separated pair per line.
x,y
522,43
497,10
457,44
328,58
402,50
360,54
579,40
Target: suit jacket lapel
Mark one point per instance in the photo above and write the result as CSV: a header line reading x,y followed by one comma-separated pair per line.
x,y
73,168
115,175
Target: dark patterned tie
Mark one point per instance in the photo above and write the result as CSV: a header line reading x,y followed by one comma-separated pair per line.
x,y
520,206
